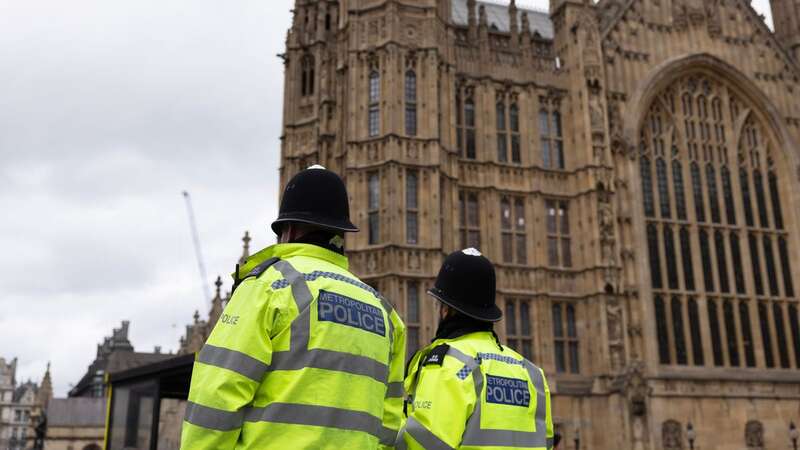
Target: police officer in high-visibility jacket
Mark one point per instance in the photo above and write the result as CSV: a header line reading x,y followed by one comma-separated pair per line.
x,y
466,390
305,355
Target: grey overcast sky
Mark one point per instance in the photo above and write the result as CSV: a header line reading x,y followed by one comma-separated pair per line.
x,y
110,110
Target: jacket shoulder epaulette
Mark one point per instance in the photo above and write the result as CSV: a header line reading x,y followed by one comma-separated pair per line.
x,y
255,272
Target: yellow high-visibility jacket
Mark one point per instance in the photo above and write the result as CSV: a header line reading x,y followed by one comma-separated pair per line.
x,y
304,356
466,393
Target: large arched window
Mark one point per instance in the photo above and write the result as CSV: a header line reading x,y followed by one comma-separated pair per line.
x,y
710,175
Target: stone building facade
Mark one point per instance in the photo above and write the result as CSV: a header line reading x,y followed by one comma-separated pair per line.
x,y
21,406
631,166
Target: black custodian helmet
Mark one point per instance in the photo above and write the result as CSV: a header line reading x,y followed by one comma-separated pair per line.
x,y
467,283
315,196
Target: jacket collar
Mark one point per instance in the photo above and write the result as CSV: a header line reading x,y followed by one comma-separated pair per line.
x,y
285,251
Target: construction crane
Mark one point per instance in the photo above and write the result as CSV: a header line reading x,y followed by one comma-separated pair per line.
x,y
198,252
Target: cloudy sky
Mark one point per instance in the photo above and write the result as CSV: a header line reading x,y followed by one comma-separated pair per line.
x,y
110,110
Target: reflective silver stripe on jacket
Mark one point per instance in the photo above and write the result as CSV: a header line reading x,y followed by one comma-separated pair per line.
x,y
424,436
474,435
238,362
322,416
213,418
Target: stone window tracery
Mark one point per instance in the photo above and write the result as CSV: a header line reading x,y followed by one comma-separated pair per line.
x,y
512,228
519,334
307,76
411,103
374,103
565,336
465,122
551,136
507,125
700,130
412,207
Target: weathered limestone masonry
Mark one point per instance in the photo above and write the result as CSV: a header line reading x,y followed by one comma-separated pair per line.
x,y
631,166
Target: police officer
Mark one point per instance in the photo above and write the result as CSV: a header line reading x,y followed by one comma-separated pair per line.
x,y
466,390
305,356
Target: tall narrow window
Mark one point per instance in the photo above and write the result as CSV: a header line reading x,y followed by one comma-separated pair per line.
x,y
511,324
786,267
677,331
470,220
713,198
465,123
506,230
655,258
662,330
374,103
559,346
680,195
776,200
758,182
412,318
716,335
544,132
727,193
772,275
672,263
502,131
697,189
469,126
307,76
780,333
647,186
663,188
794,324
411,103
722,262
686,255
738,270
513,119
755,260
512,228
519,231
766,337
694,329
374,203
526,335
747,334
744,180
518,327
730,334
705,256
559,251
565,334
412,205
552,139
572,336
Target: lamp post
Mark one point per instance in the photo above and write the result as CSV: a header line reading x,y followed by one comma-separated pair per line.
x,y
793,434
691,434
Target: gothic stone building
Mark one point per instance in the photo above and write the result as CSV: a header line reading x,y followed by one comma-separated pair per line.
x,y
631,166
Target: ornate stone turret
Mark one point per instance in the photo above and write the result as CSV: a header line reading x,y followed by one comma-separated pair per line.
x,y
216,304
471,21
245,249
786,16
45,389
513,24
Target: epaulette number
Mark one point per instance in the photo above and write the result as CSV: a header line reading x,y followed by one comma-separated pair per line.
x,y
436,356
